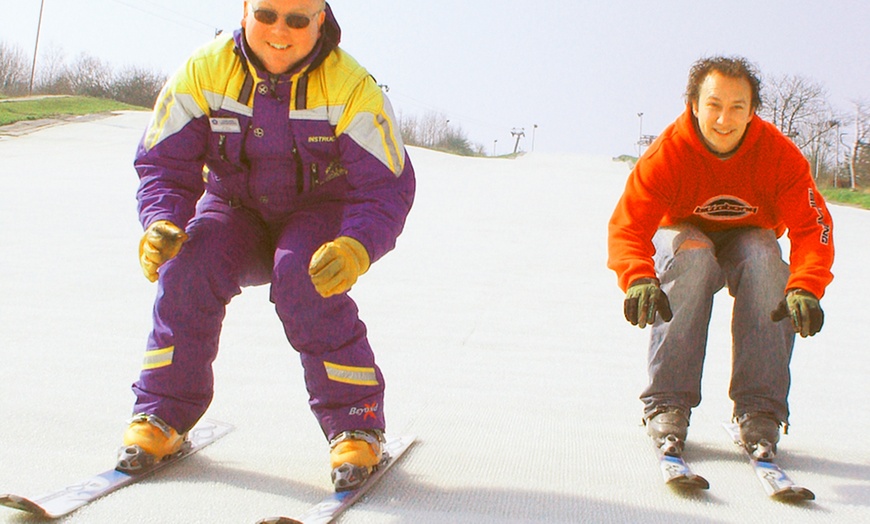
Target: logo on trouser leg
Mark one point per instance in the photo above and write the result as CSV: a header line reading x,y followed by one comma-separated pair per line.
x,y
367,411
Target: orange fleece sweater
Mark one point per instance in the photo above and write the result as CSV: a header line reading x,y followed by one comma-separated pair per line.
x,y
766,183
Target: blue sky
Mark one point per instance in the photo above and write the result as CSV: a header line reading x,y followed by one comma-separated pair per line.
x,y
580,70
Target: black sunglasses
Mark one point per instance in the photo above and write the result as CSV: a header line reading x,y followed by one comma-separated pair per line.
x,y
293,20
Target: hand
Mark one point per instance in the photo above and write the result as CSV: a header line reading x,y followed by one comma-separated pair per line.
x,y
161,241
803,307
336,265
643,300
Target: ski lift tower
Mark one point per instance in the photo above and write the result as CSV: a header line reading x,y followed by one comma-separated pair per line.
x,y
519,133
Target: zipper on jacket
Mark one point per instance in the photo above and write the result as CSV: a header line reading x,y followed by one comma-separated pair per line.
x,y
273,83
300,181
315,176
222,147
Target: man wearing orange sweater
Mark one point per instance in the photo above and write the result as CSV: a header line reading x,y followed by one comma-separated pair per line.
x,y
702,210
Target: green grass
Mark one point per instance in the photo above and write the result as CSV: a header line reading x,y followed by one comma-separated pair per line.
x,y
12,111
859,198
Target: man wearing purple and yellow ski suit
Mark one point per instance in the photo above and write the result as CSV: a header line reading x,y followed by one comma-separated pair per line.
x,y
298,179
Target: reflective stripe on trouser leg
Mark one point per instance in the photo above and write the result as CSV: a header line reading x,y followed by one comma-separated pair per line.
x,y
345,385
192,293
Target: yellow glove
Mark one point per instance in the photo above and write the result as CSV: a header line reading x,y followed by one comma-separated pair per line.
x,y
161,241
336,265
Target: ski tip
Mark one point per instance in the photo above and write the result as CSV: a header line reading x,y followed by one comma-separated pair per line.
x,y
794,494
279,520
23,504
700,482
689,482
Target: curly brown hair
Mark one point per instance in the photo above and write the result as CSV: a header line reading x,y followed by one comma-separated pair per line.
x,y
733,67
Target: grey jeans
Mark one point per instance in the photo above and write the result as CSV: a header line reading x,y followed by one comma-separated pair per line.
x,y
692,267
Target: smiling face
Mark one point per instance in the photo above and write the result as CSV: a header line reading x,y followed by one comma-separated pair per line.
x,y
278,46
724,110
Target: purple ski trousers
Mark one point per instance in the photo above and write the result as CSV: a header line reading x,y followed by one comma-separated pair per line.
x,y
232,247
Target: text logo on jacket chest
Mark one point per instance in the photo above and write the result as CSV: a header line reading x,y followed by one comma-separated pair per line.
x,y
725,207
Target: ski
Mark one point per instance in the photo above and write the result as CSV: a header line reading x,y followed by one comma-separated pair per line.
x,y
677,473
335,503
70,498
776,482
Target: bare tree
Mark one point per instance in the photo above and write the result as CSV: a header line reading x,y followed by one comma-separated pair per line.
x,y
434,131
13,70
799,107
822,151
53,76
456,141
408,129
89,76
137,86
433,128
860,144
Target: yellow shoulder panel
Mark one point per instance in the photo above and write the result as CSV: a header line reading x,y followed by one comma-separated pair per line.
x,y
211,79
357,108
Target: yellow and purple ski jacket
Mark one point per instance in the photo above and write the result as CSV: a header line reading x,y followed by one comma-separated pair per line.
x,y
277,143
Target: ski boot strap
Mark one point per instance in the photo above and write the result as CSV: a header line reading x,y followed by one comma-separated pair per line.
x,y
665,408
375,437
155,421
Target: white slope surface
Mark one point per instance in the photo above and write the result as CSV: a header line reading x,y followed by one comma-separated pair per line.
x,y
496,323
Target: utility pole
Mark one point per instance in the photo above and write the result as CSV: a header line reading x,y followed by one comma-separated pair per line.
x,y
35,48
837,170
642,139
831,125
853,158
639,134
